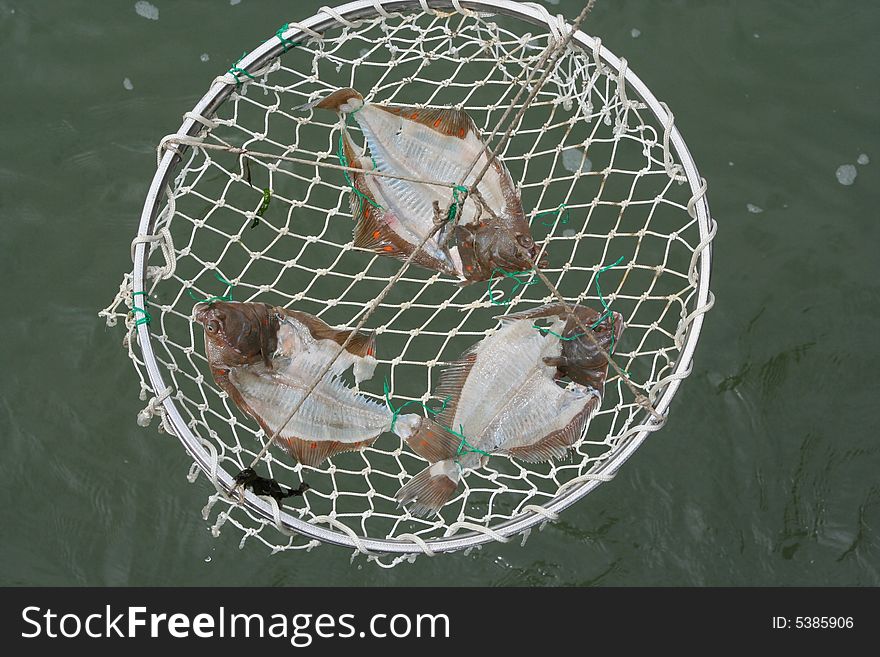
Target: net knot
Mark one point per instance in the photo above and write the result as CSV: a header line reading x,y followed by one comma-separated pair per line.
x,y
154,407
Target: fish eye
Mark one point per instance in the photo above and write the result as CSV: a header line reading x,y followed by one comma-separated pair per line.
x,y
525,241
212,326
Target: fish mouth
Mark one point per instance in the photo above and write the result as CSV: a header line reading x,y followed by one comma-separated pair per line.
x,y
544,261
619,325
200,312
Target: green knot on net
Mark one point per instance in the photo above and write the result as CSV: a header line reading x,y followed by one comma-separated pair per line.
x,y
453,208
344,162
464,447
146,318
395,412
226,297
287,43
604,303
508,274
563,220
545,331
236,70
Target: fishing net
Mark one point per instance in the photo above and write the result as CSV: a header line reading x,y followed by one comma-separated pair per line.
x,y
250,202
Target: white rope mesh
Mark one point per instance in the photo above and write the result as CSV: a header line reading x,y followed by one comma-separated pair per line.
x,y
598,179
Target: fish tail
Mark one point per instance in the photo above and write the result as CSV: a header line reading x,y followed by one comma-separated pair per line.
x,y
343,101
431,488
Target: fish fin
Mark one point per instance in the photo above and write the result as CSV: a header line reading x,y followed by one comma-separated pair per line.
x,y
221,376
371,233
343,101
364,368
432,442
452,380
547,310
555,445
430,489
363,344
445,120
315,452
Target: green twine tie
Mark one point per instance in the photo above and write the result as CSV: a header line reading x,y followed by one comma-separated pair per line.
x,y
458,189
146,319
508,274
344,162
545,331
225,297
607,312
601,319
464,447
288,44
236,69
395,412
565,217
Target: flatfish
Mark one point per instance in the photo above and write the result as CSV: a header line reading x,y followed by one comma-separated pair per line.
x,y
393,216
266,358
504,398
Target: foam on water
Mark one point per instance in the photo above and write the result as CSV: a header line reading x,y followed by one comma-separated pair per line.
x,y
127,84
573,158
754,209
147,10
846,174
864,159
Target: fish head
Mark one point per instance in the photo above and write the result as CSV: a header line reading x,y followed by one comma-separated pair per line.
x,y
487,246
237,333
582,353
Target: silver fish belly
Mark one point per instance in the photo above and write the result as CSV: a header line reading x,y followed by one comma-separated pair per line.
x,y
503,398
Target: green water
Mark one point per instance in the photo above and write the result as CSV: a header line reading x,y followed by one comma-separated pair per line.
x,y
767,471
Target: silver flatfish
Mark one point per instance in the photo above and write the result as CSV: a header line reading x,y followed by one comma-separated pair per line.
x,y
267,358
393,216
503,398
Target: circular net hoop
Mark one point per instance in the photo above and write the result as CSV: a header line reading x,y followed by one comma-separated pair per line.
x,y
604,176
